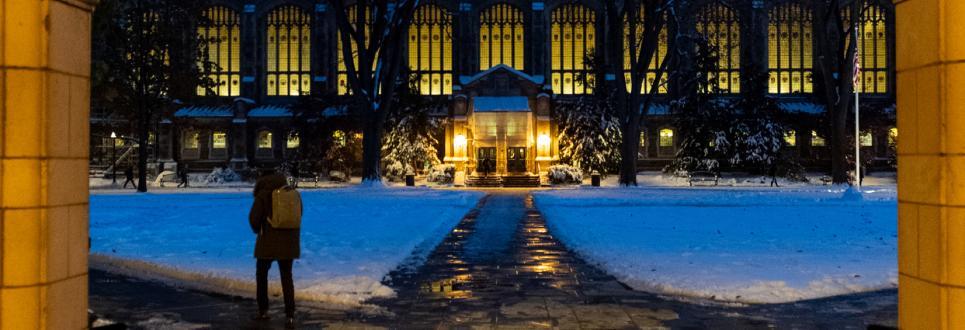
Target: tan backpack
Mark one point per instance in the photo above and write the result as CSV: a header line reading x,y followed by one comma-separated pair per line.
x,y
286,208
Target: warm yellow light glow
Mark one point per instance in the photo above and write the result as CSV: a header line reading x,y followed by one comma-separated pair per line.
x,y
789,47
666,137
632,42
293,142
720,25
790,137
352,14
893,136
289,31
816,140
191,140
501,38
221,28
430,50
543,144
866,139
573,37
219,140
873,46
264,140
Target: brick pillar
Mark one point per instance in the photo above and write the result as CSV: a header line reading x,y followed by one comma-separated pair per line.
x,y
44,105
931,176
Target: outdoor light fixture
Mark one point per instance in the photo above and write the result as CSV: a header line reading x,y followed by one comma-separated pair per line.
x,y
459,143
543,144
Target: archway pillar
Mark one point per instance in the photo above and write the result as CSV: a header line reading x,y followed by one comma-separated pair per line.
x,y
931,176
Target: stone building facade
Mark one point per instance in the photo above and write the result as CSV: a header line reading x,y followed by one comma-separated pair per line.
x,y
500,64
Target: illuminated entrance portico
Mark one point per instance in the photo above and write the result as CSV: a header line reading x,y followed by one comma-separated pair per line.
x,y
500,125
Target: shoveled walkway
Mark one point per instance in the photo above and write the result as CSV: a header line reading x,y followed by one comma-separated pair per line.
x,y
501,268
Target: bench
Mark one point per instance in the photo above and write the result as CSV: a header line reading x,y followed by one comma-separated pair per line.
x,y
826,180
313,178
703,177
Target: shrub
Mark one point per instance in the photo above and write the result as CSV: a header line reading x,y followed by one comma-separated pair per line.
x,y
221,175
442,173
564,174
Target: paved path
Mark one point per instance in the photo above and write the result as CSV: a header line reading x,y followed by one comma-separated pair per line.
x,y
499,268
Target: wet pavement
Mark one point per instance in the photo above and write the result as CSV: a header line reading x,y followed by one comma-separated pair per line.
x,y
499,268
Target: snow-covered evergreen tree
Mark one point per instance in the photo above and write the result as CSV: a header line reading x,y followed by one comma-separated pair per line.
x,y
409,144
589,135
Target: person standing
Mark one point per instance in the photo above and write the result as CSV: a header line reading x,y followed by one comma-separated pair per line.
x,y
129,176
276,218
183,176
772,172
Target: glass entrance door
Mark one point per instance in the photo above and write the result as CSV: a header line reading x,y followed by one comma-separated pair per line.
x,y
485,160
516,159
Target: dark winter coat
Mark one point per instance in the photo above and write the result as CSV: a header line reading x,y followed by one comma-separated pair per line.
x,y
279,244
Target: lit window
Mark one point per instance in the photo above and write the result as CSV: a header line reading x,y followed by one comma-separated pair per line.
x,y
666,137
501,38
573,37
220,28
352,15
338,137
789,48
289,52
264,140
191,140
790,137
430,50
893,136
643,139
721,27
293,141
219,140
873,46
632,42
865,139
817,141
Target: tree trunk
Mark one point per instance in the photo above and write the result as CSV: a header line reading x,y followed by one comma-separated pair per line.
x,y
839,135
629,148
372,147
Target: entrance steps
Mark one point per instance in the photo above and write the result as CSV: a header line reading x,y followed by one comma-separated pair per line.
x,y
514,181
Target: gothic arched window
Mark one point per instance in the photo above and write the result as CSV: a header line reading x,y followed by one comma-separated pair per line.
x,y
573,37
289,52
789,49
430,50
721,26
873,47
501,37
221,29
633,30
352,15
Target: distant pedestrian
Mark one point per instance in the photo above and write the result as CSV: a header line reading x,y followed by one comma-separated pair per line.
x,y
129,176
183,176
295,174
276,218
772,172
861,177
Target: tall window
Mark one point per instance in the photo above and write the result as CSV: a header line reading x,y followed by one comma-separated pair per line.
x,y
352,15
789,48
501,37
573,37
632,42
220,27
721,27
430,50
873,45
289,52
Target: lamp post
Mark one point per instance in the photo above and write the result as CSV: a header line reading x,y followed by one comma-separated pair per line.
x,y
114,158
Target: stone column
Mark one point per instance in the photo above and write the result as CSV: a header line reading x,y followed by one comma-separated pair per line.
x,y
931,167
44,106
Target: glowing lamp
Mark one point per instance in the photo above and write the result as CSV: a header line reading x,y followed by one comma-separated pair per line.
x,y
543,143
113,135
459,143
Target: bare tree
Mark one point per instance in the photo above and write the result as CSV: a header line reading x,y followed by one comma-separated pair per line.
x,y
645,20
835,50
373,36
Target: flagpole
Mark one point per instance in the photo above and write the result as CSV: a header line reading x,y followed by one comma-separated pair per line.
x,y
857,106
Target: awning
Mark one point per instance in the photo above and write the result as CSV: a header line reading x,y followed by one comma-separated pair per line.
x,y
269,111
500,104
205,112
802,107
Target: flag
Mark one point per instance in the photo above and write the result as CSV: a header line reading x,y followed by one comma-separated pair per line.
x,y
856,73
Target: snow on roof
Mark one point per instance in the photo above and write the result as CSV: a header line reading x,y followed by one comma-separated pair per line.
x,y
802,107
204,112
465,80
335,111
270,111
500,104
658,109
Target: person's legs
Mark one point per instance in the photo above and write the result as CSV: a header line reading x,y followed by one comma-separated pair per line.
x,y
287,286
261,284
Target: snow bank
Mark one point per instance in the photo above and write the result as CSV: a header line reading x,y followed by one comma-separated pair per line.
x,y
734,244
351,238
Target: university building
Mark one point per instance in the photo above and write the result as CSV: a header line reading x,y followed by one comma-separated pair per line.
x,y
501,66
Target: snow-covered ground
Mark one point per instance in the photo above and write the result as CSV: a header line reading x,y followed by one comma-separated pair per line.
x,y
730,179
737,243
351,237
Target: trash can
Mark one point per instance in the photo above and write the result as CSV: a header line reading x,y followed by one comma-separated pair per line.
x,y
410,180
595,179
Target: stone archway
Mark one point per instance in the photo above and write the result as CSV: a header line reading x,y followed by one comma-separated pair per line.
x,y
44,106
931,167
